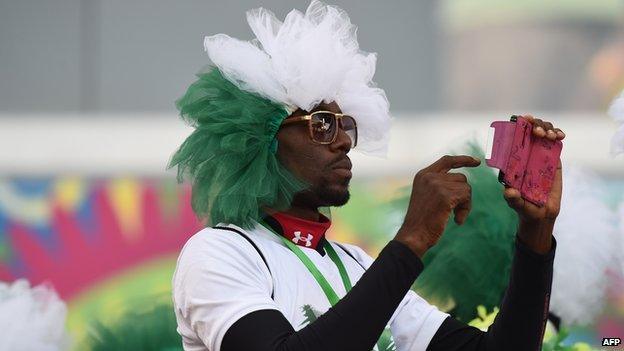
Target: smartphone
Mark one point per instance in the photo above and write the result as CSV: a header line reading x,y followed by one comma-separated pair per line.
x,y
525,162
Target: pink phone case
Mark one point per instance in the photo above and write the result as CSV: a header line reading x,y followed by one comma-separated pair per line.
x,y
526,162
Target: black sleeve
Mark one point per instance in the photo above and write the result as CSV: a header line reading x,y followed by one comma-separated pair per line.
x,y
354,323
522,318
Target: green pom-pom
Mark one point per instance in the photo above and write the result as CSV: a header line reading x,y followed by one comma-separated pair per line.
x,y
149,330
231,156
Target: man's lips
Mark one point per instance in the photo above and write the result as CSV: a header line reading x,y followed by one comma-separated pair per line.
x,y
343,168
345,163
343,172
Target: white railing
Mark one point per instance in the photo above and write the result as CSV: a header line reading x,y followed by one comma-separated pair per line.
x,y
142,143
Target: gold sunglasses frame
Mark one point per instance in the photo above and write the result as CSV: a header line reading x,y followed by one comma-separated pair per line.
x,y
338,117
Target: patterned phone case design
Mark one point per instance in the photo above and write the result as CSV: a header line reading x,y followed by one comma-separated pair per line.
x,y
527,162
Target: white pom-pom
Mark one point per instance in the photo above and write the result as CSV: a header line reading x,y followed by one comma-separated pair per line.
x,y
305,60
31,319
616,111
620,236
617,141
587,248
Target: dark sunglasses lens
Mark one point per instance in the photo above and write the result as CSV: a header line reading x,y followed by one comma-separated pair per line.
x,y
349,126
323,127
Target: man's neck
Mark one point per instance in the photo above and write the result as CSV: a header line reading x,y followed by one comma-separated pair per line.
x,y
304,228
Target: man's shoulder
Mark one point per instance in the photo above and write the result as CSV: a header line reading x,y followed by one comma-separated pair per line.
x,y
209,237
217,265
221,244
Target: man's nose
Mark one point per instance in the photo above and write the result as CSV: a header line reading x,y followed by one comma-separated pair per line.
x,y
342,142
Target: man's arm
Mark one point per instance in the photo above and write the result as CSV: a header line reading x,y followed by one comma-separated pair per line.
x,y
521,321
522,318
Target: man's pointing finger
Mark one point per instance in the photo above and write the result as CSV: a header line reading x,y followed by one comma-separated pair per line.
x,y
447,162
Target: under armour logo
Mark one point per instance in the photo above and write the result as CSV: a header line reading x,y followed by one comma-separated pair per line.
x,y
308,239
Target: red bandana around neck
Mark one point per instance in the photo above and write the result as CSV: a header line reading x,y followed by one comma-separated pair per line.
x,y
301,231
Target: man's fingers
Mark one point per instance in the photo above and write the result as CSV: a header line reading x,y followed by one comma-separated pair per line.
x,y
461,199
462,211
513,198
544,129
539,128
455,177
447,162
550,131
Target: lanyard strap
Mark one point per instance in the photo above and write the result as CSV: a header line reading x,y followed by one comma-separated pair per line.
x,y
318,276
341,268
320,279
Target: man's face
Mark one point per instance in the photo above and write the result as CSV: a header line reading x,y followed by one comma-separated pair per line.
x,y
325,167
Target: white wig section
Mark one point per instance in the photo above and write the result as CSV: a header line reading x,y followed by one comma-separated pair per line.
x,y
307,59
616,111
31,319
587,248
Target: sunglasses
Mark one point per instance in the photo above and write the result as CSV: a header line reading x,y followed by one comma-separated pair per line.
x,y
323,126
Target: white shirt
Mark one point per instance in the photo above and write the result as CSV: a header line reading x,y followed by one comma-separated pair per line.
x,y
220,278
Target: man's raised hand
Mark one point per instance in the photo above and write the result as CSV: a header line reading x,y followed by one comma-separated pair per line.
x,y
537,223
435,193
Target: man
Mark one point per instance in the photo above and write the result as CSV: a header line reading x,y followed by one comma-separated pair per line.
x,y
275,120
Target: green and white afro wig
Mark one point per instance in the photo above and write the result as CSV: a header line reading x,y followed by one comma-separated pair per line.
x,y
237,105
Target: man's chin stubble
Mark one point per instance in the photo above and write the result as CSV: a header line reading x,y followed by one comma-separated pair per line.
x,y
333,197
322,196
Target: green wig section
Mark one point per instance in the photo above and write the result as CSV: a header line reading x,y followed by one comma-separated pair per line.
x,y
470,265
152,329
230,156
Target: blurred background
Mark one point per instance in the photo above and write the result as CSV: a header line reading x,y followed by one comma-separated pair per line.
x,y
88,123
